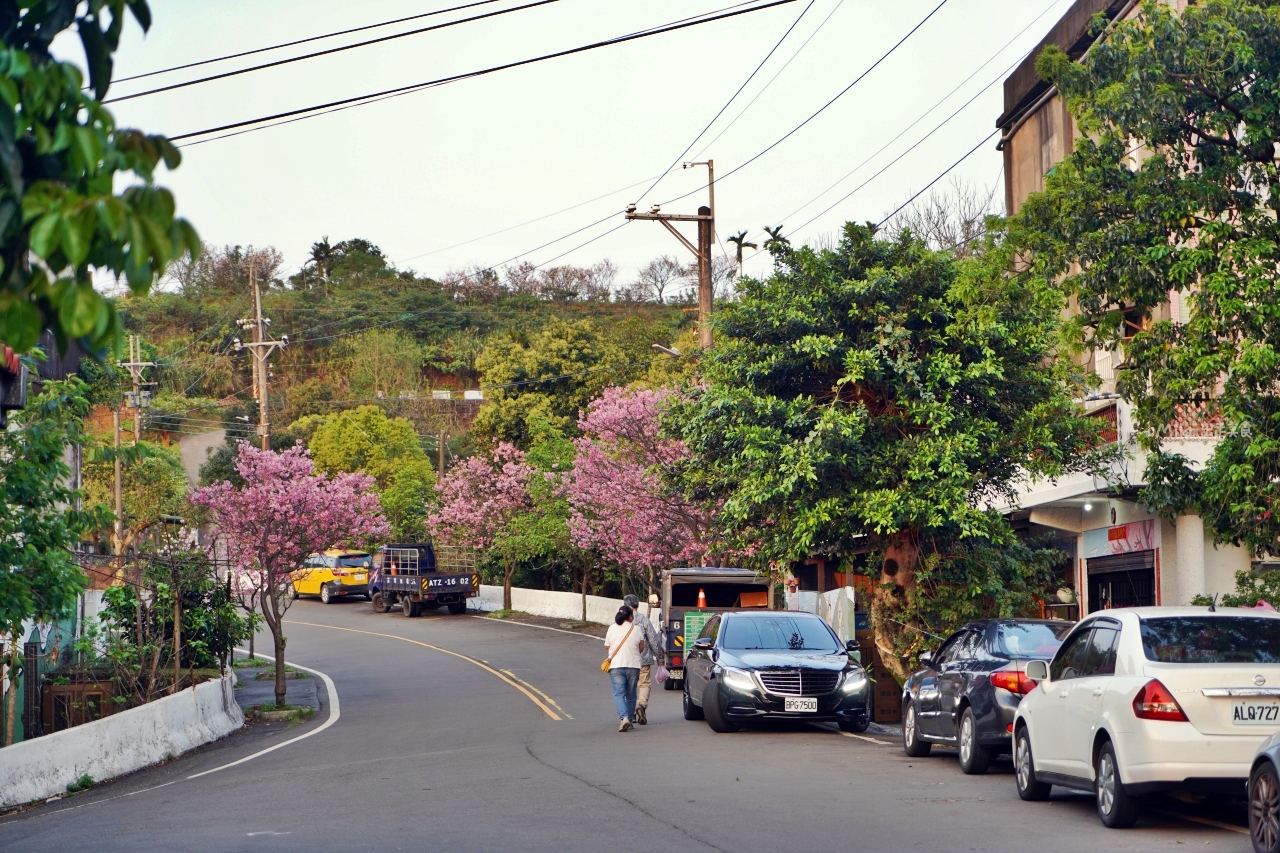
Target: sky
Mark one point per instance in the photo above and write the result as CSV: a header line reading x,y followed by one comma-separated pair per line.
x,y
432,175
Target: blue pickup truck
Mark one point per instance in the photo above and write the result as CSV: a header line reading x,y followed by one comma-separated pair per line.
x,y
409,574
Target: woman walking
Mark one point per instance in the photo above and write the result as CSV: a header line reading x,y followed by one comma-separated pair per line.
x,y
625,645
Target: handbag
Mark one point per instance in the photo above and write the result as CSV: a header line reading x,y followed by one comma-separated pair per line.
x,y
661,675
608,662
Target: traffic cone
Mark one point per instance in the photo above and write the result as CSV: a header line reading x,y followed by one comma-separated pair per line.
x,y
702,598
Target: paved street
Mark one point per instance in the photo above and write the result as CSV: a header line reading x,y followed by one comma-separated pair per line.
x,y
435,751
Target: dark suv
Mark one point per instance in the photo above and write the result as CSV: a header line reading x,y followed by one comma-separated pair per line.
x,y
964,695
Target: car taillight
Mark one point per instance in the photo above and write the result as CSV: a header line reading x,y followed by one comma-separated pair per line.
x,y
1155,702
676,660
340,573
1013,681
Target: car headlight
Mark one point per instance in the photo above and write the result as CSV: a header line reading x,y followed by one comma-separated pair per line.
x,y
854,680
738,679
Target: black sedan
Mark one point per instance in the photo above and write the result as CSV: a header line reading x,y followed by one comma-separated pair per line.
x,y
771,665
964,695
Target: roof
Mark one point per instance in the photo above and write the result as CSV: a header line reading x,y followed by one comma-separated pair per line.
x,y
1152,612
1072,33
343,552
708,570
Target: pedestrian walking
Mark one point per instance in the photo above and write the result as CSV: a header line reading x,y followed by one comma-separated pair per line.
x,y
624,645
651,656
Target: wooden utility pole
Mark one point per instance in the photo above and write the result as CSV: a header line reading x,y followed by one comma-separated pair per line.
x,y
706,219
444,437
119,525
262,346
141,397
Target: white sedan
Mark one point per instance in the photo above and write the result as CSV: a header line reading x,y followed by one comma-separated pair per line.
x,y
1150,699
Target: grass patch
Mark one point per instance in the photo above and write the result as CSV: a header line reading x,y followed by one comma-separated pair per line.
x,y
297,713
84,783
289,672
502,614
251,663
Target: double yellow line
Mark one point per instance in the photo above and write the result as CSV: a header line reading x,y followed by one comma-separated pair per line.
x,y
508,678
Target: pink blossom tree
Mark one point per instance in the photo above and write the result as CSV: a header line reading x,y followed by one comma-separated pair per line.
x,y
480,500
621,506
284,512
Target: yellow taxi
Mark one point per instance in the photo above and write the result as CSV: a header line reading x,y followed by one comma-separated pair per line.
x,y
332,575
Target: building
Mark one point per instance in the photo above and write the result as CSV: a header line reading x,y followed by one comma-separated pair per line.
x,y
1123,554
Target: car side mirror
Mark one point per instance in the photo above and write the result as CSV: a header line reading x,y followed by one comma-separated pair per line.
x,y
1038,670
703,643
926,659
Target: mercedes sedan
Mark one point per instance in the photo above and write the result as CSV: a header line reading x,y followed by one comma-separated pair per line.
x,y
773,665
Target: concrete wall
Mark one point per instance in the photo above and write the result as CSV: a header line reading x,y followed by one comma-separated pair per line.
x,y
118,744
195,450
557,605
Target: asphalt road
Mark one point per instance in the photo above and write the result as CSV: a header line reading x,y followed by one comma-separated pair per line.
x,y
439,752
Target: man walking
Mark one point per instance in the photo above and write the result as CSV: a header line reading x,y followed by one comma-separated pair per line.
x,y
652,654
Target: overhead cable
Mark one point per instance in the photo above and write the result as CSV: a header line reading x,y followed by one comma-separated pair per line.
x,y
732,97
331,50
302,41
404,90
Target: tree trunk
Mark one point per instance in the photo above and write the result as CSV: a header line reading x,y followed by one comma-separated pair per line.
x,y
177,643
586,570
508,571
11,699
273,608
889,605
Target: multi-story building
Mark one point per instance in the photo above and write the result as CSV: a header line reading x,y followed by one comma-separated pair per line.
x,y
1124,555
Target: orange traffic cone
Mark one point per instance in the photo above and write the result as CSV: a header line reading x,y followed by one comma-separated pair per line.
x,y
702,598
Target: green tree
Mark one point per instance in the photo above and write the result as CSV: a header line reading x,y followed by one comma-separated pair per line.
x,y
384,363
153,488
549,375
1189,208
883,390
39,525
387,449
61,156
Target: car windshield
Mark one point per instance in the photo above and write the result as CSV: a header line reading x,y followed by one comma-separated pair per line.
x,y
1029,639
354,560
792,633
1211,639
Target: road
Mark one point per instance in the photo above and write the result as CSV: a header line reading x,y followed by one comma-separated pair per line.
x,y
433,750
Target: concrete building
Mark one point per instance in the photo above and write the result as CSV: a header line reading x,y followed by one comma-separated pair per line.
x,y
1123,554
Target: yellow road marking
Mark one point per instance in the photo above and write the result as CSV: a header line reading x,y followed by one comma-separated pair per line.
x,y
550,701
534,699
1206,821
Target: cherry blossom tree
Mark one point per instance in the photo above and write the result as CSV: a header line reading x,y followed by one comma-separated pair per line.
x,y
284,512
480,499
621,506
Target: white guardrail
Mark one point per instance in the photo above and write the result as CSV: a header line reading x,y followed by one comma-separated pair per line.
x,y
556,605
120,743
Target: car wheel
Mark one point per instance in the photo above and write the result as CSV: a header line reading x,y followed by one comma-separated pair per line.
x,y
974,757
691,711
410,608
714,710
1117,809
1024,769
326,594
912,745
855,726
379,603
458,609
1264,808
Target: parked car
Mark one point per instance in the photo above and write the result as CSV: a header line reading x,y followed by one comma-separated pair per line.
x,y
1150,699
332,575
965,694
1264,794
747,666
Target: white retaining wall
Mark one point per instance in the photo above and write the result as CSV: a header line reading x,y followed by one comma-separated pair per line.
x,y
557,605
121,743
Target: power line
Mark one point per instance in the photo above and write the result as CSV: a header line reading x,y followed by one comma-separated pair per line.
x,y
404,90
941,175
303,41
775,76
331,50
716,117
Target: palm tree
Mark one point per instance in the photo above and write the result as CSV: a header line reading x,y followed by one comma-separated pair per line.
x,y
776,240
323,255
740,240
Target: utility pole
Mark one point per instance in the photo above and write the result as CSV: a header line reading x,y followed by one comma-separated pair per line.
x,y
444,437
706,219
119,525
262,346
140,398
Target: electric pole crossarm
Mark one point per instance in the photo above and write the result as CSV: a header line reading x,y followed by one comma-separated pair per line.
x,y
681,238
673,217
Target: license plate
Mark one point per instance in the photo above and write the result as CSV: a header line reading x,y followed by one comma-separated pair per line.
x,y
361,578
1255,714
808,705
676,674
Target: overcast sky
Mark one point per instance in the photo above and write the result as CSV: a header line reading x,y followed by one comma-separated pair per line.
x,y
421,173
